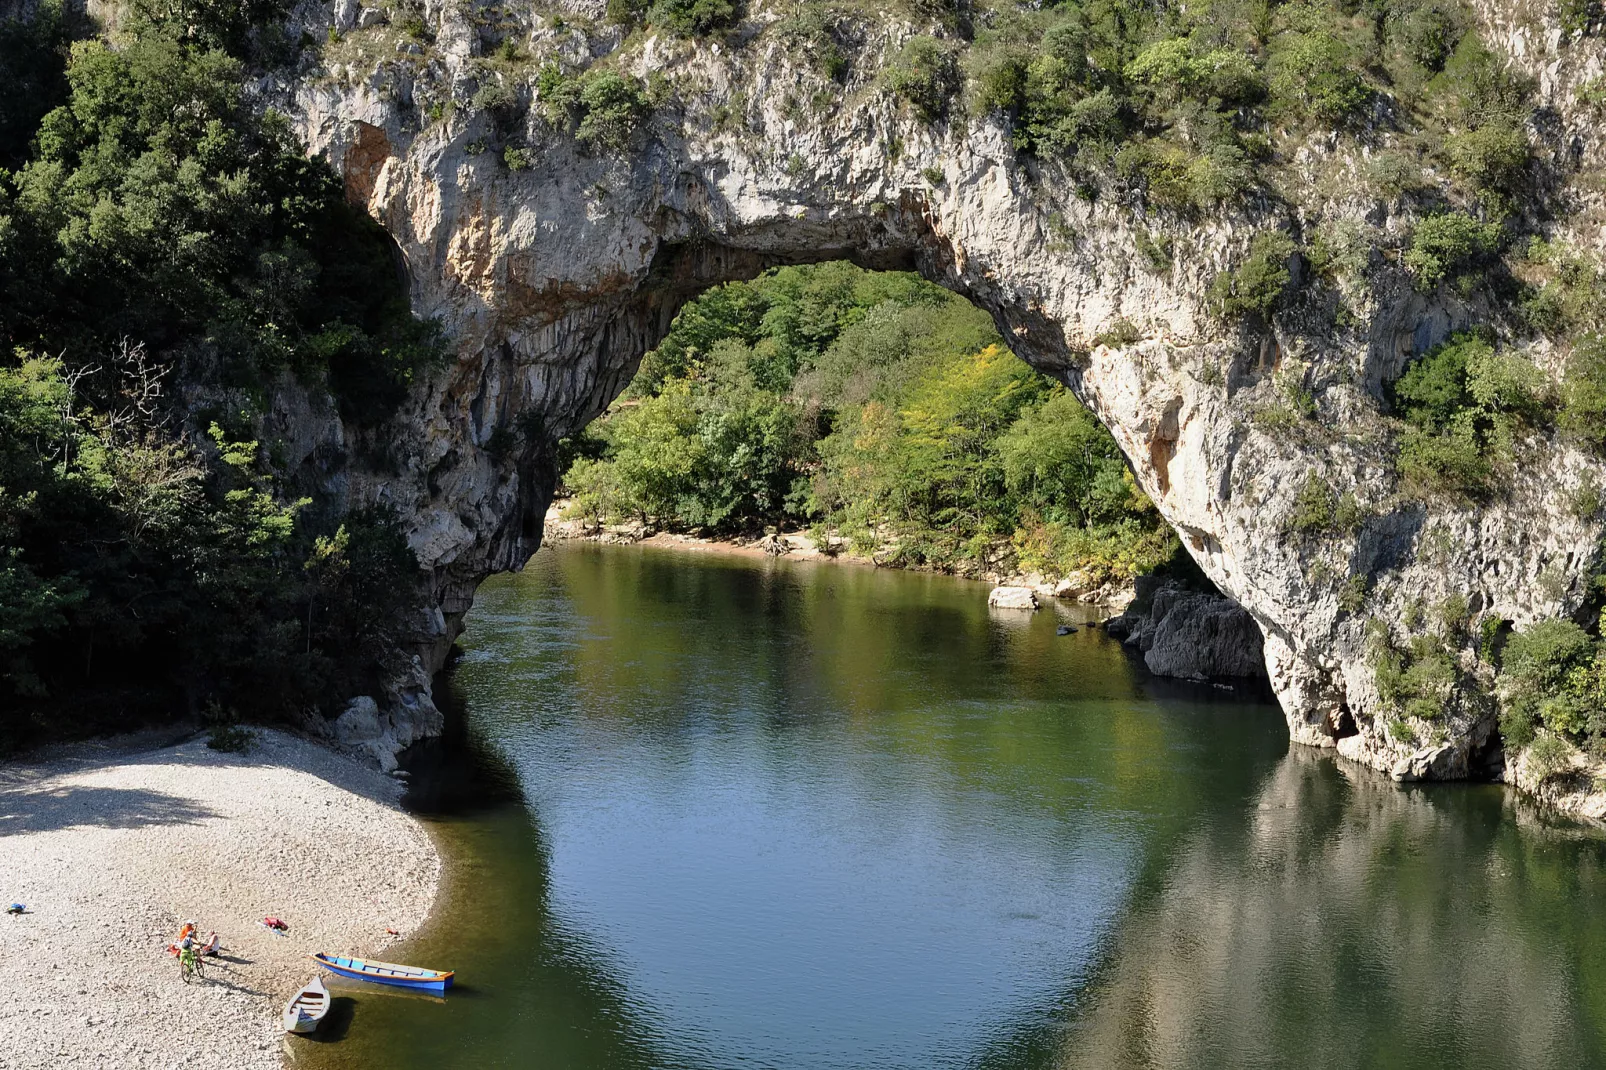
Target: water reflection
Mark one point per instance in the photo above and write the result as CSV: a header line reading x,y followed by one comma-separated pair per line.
x,y
1345,921
820,817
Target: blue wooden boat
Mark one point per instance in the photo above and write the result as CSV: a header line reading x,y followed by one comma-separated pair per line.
x,y
387,973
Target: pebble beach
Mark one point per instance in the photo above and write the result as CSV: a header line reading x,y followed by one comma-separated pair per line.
x,y
112,846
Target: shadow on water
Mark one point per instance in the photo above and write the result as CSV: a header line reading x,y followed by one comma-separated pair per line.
x,y
457,775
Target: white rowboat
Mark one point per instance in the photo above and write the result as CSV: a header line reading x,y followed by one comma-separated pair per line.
x,y
307,1007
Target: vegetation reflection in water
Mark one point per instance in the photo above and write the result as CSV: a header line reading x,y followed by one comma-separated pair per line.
x,y
717,812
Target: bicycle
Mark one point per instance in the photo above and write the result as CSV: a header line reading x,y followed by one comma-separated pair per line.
x,y
190,965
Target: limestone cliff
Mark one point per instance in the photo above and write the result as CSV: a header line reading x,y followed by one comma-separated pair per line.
x,y
556,273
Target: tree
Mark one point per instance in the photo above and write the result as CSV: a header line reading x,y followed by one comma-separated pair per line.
x,y
1063,466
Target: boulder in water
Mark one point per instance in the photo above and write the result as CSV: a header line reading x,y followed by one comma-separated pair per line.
x,y
1189,634
1196,635
1008,597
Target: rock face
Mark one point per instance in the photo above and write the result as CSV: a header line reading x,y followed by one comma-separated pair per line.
x,y
409,715
1196,635
555,277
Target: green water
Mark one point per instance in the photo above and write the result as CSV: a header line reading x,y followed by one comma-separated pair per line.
x,y
717,813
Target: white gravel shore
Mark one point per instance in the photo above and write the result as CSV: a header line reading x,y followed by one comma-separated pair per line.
x,y
112,848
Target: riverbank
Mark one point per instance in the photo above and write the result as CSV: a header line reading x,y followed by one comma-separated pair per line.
x,y
112,846
802,546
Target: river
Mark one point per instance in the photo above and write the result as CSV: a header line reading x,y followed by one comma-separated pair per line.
x,y
714,812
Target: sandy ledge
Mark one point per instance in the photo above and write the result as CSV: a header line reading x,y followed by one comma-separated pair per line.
x,y
112,846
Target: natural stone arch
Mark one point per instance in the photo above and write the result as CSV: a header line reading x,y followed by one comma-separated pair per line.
x,y
554,280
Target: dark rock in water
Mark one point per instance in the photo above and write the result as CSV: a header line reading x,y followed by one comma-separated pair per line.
x,y
1202,635
1191,635
1065,629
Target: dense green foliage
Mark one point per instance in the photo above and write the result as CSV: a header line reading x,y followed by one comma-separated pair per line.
x,y
1463,402
160,231
1567,289
1446,247
924,74
1179,101
159,207
125,550
876,404
1553,686
1255,286
1584,392
689,18
603,107
33,77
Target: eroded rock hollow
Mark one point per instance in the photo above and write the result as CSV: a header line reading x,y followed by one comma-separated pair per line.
x,y
554,276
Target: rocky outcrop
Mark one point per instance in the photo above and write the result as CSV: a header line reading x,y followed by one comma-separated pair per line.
x,y
1193,635
555,275
379,733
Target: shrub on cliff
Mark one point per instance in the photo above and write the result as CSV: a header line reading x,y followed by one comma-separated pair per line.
x,y
925,75
1196,102
612,105
1584,392
1318,509
1418,678
1491,158
1256,286
1450,247
1554,675
1316,74
1463,402
603,106
1181,178
1476,108
694,18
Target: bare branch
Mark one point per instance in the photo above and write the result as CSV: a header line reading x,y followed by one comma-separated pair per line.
x,y
140,384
